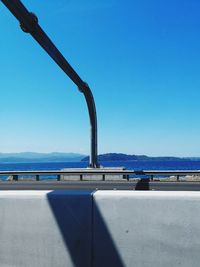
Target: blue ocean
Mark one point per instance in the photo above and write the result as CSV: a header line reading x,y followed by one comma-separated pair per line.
x,y
131,165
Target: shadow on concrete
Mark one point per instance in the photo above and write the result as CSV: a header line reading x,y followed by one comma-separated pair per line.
x,y
105,252
76,214
72,212
142,184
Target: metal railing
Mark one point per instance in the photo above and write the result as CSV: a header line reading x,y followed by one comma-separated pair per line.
x,y
125,174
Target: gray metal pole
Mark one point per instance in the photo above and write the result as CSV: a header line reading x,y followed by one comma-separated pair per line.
x,y
29,23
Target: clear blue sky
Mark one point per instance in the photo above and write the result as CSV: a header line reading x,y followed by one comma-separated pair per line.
x,y
141,58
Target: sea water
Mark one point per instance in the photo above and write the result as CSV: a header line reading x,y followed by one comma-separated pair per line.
x,y
130,165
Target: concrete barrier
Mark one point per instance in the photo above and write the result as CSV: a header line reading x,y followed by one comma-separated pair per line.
x,y
104,228
45,229
93,177
146,229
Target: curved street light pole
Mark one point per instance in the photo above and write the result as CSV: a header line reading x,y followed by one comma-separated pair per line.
x,y
29,24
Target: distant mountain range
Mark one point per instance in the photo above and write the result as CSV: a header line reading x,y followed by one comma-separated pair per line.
x,y
24,157
34,157
125,157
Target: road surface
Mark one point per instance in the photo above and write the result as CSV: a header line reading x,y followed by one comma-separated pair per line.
x,y
99,185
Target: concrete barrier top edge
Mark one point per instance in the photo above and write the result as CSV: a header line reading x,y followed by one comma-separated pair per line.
x,y
43,193
143,194
100,193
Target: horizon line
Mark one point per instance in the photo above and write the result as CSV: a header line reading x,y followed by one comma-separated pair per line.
x,y
84,154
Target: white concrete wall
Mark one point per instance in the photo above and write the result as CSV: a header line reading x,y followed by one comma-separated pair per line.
x,y
92,177
147,229
104,229
45,229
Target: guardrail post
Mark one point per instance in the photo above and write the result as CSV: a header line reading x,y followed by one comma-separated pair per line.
x,y
58,177
37,177
151,177
81,177
178,178
15,177
126,176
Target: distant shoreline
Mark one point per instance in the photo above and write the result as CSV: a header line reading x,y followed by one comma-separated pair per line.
x,y
125,157
56,157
